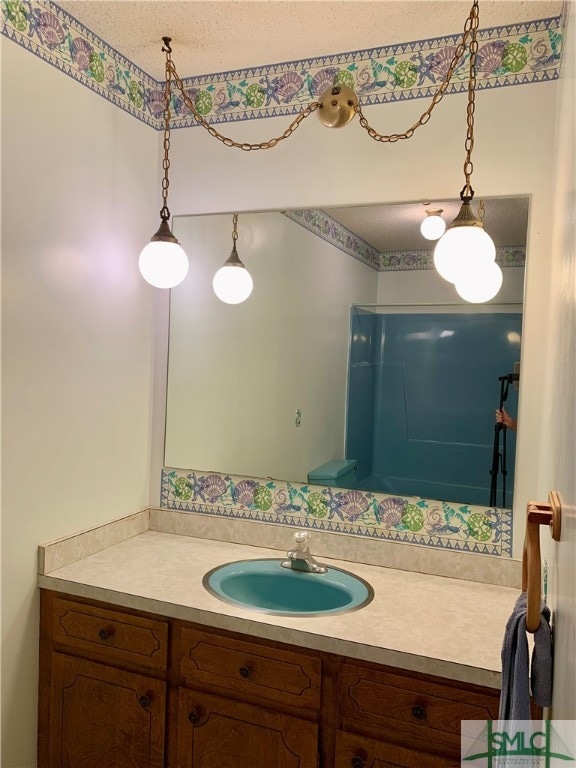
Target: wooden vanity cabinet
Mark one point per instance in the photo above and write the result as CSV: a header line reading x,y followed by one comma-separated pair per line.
x,y
265,713
355,751
102,716
124,689
102,688
404,719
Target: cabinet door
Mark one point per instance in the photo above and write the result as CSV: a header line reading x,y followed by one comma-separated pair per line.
x,y
213,731
102,717
353,751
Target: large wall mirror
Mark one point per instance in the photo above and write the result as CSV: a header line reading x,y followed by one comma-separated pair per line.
x,y
351,347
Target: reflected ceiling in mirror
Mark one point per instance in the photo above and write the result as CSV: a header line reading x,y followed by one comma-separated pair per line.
x,y
270,388
397,227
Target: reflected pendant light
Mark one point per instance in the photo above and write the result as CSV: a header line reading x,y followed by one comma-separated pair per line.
x,y
466,249
233,283
433,226
163,262
481,285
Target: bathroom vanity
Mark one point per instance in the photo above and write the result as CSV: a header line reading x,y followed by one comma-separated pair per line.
x,y
141,666
186,695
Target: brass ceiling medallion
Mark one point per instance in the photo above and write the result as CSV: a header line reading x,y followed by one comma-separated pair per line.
x,y
337,106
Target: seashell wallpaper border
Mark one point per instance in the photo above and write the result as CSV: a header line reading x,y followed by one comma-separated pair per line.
x,y
408,520
517,54
321,224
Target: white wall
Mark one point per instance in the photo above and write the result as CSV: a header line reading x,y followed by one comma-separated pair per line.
x,y
79,183
558,378
237,374
318,167
426,286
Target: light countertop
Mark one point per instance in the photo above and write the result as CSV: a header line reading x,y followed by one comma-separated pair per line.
x,y
432,624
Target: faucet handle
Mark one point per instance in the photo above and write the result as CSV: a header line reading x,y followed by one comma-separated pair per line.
x,y
301,539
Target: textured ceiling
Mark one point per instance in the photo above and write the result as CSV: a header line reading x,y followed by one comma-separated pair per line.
x,y
221,35
397,227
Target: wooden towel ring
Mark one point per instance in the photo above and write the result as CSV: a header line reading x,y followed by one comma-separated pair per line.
x,y
537,514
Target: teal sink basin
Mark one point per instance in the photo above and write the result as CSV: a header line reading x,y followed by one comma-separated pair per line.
x,y
267,587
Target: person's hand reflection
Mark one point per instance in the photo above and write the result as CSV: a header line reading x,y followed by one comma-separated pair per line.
x,y
503,417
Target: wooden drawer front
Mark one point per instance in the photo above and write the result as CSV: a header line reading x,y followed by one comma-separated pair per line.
x,y
360,752
215,732
255,670
110,636
429,709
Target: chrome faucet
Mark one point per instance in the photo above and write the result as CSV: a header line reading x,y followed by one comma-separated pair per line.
x,y
299,558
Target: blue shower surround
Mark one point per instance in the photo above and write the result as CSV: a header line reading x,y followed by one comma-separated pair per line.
x,y
422,392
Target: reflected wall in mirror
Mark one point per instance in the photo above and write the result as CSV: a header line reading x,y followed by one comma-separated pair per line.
x,y
350,347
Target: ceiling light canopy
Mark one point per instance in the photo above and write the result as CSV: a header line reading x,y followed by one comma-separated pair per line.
x,y
433,226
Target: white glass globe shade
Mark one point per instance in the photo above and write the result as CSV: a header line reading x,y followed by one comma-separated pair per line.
x,y
481,285
232,284
433,226
461,250
163,264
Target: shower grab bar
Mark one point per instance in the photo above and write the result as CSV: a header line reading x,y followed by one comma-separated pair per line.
x,y
537,514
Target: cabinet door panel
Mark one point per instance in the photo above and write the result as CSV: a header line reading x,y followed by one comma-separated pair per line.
x,y
228,734
103,717
353,751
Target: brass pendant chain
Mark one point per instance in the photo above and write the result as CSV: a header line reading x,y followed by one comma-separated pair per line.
x,y
165,213
247,147
234,228
438,96
470,28
467,192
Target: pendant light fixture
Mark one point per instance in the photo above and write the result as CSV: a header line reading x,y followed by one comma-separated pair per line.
x,y
233,283
163,262
433,226
465,254
464,246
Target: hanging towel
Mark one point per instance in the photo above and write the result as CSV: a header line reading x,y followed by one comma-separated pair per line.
x,y
541,667
516,667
